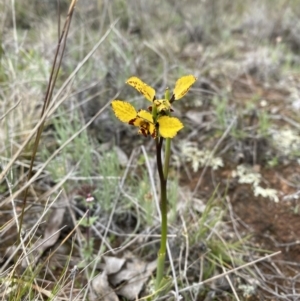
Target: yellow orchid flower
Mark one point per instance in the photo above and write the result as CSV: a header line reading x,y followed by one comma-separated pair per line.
x,y
182,86
167,126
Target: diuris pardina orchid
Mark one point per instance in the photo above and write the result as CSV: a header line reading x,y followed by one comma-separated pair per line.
x,y
158,123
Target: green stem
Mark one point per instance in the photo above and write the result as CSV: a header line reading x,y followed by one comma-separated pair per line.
x,y
168,144
164,221
154,112
163,176
167,157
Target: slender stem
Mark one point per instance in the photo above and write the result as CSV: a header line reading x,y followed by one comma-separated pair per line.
x,y
88,228
163,209
154,112
167,94
159,142
168,144
167,157
163,176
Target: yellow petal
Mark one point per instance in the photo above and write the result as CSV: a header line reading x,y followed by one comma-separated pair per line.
x,y
141,118
145,115
152,130
169,126
123,110
144,121
183,85
143,88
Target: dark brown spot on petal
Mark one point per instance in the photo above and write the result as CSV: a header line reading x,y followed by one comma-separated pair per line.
x,y
143,132
154,134
131,122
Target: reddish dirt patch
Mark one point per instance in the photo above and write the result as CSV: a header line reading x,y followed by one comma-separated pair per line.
x,y
274,226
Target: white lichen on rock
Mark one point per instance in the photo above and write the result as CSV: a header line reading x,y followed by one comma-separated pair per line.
x,y
199,157
287,141
266,193
246,175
